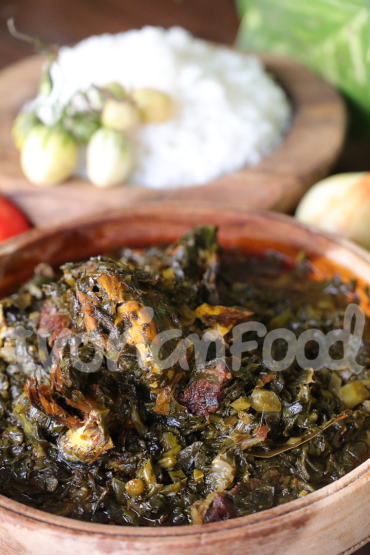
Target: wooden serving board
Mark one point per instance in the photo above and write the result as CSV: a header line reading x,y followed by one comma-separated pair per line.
x,y
277,183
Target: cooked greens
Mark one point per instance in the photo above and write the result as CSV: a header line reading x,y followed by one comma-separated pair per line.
x,y
100,421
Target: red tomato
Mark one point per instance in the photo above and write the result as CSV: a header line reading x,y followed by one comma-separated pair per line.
x,y
12,221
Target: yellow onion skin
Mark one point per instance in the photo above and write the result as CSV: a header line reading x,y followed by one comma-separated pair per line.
x,y
49,155
340,204
108,158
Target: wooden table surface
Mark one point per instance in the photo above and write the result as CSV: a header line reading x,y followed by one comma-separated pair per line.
x,y
69,21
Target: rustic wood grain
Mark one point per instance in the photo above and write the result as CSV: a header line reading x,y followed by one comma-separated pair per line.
x,y
329,521
278,182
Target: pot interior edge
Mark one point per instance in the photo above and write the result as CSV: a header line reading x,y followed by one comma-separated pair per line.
x,y
277,515
255,232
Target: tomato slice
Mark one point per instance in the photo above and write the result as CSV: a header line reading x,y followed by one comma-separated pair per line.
x,y
12,221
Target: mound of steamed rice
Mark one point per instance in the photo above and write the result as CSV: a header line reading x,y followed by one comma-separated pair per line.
x,y
229,112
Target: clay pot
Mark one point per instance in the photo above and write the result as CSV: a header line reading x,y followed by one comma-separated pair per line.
x,y
332,520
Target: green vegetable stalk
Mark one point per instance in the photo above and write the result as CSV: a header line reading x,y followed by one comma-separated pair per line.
x,y
331,37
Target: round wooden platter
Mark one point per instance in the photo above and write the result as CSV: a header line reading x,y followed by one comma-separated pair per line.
x,y
277,183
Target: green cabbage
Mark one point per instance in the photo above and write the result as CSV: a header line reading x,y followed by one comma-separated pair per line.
x,y
331,37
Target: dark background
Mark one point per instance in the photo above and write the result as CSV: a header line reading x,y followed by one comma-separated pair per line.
x,y
68,21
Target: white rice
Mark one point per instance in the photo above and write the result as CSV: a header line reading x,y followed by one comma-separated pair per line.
x,y
229,112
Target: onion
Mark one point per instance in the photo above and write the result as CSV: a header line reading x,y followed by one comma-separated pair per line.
x,y
340,204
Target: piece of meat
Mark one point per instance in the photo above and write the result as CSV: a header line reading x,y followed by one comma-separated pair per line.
x,y
86,439
235,490
41,398
253,484
222,508
262,431
91,321
113,287
141,329
56,378
117,314
203,396
164,397
52,322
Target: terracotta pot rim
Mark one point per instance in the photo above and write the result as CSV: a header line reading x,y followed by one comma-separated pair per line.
x,y
143,533
154,207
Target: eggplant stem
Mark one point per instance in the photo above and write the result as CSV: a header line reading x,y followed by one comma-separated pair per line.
x,y
40,46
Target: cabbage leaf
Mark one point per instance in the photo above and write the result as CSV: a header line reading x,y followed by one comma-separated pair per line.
x,y
331,37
